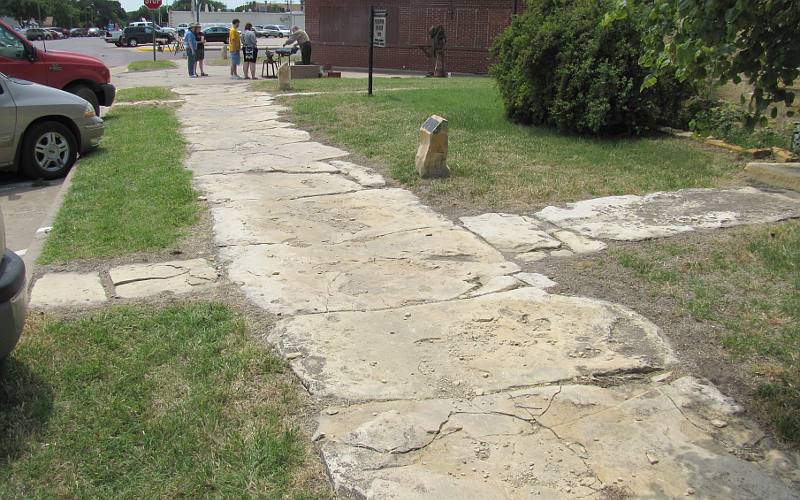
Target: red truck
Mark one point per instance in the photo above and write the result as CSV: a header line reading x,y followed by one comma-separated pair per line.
x,y
81,75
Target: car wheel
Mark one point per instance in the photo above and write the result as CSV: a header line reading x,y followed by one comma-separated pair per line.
x,y
118,43
49,151
133,42
86,94
280,35
39,38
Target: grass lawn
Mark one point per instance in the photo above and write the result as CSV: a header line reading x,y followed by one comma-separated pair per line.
x,y
495,163
749,283
145,94
148,65
145,402
131,195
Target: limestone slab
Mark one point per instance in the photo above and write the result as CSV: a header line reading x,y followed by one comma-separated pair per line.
x,y
546,442
579,244
227,162
361,215
656,215
490,343
67,289
179,276
363,175
390,271
510,233
278,186
536,280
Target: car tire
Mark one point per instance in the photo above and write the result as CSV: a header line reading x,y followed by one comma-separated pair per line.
x,y
280,35
133,42
48,151
118,43
86,94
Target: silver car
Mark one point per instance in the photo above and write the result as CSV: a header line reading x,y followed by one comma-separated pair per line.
x,y
42,129
13,295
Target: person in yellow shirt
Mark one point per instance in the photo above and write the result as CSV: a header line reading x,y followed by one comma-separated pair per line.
x,y
234,48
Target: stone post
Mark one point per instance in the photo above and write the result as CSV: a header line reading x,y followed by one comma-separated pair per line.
x,y
285,77
431,158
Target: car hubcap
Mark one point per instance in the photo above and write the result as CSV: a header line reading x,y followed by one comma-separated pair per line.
x,y
51,151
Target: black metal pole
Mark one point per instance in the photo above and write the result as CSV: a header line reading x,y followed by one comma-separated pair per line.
x,y
371,44
154,34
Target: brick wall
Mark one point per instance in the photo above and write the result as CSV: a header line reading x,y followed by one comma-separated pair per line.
x,y
339,32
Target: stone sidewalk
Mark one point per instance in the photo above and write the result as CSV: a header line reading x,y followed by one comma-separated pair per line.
x,y
443,374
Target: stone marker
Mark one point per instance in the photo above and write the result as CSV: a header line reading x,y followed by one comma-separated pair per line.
x,y
432,152
285,77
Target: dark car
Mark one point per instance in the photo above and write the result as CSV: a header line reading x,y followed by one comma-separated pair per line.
x,y
133,36
216,34
78,32
38,34
13,295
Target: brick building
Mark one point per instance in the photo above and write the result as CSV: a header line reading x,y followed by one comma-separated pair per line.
x,y
339,31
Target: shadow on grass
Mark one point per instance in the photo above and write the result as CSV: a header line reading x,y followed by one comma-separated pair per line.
x,y
26,403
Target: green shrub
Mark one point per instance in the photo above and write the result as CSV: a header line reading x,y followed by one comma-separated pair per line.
x,y
557,65
727,121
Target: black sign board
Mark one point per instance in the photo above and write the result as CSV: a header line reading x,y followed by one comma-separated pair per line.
x,y
430,125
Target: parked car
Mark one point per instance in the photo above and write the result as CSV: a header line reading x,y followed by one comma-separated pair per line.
x,y
13,295
134,36
113,37
82,75
57,35
216,34
46,128
95,32
276,30
64,31
38,34
77,32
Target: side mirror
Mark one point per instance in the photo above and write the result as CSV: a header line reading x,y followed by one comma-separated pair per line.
x,y
30,52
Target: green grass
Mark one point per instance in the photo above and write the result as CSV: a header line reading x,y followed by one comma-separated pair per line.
x,y
347,84
132,195
145,94
749,283
144,402
148,65
495,163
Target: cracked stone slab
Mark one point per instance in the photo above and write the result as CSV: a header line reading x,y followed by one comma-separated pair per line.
x,y
579,244
394,270
657,215
67,289
279,186
178,276
548,442
361,215
363,175
263,140
510,233
227,162
490,343
536,280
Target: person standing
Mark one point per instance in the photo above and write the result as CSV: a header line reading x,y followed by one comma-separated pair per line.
x,y
190,44
201,50
301,38
249,51
234,48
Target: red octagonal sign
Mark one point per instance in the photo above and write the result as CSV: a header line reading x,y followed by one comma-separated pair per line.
x,y
152,4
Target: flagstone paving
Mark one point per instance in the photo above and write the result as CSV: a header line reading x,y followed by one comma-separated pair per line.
x,y
443,374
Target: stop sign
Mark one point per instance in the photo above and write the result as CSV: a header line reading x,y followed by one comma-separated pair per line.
x,y
152,4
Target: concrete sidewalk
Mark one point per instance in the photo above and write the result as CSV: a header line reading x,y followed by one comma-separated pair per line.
x,y
443,373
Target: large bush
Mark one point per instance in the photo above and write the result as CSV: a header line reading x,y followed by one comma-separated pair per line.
x,y
558,65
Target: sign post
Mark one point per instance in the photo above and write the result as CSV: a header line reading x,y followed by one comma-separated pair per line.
x,y
153,5
377,37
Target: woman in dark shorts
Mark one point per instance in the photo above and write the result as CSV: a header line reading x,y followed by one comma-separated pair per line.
x,y
201,51
249,51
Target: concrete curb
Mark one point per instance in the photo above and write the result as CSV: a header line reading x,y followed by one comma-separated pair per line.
x,y
35,248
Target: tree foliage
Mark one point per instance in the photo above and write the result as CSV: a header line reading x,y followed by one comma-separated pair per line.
x,y
558,65
720,41
65,12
